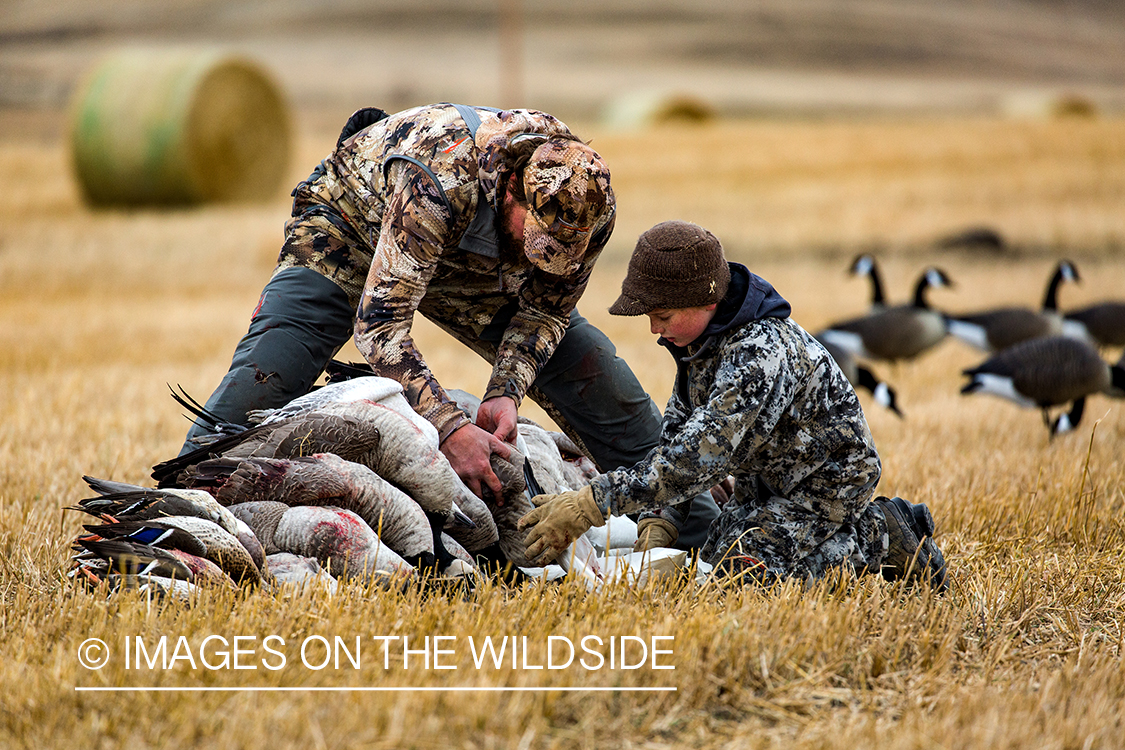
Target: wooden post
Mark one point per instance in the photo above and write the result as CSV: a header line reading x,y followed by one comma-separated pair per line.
x,y
511,53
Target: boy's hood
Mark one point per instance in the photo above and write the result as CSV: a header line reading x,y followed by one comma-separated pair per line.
x,y
749,297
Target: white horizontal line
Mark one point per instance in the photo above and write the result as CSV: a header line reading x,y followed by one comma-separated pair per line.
x,y
283,689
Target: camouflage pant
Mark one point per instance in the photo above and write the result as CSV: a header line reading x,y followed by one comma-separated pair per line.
x,y
777,538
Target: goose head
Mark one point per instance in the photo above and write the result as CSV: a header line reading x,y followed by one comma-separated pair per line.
x,y
931,277
1064,271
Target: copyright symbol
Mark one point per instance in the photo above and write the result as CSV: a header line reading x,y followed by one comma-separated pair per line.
x,y
93,653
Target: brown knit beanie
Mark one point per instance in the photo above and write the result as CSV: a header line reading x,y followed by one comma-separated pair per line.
x,y
675,265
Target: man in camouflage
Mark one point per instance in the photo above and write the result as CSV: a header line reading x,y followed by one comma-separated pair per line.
x,y
758,398
487,222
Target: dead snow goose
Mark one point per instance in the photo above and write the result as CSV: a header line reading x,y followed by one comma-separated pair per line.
x,y
338,538
388,393
323,479
366,388
365,432
299,571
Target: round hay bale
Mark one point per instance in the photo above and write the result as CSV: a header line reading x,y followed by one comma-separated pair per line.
x,y
656,108
176,127
1045,105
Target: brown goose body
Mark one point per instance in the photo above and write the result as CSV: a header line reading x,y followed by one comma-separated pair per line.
x,y
1105,322
1000,328
1047,372
895,333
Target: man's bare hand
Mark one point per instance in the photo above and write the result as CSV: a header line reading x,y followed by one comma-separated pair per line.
x,y
723,491
469,449
498,416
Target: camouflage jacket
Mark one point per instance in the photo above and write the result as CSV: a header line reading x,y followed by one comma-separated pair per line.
x,y
758,398
402,215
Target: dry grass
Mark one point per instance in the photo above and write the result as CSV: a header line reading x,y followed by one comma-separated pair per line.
x,y
102,310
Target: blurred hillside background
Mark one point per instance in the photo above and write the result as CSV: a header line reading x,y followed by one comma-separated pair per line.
x,y
585,59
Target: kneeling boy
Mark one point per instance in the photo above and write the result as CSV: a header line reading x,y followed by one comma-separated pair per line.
x,y
757,398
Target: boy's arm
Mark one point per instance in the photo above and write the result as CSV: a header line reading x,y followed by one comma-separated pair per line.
x,y
753,388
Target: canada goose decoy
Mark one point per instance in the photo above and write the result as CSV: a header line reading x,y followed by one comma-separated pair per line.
x,y
895,333
862,377
993,330
864,264
337,538
323,479
1047,372
1104,322
974,238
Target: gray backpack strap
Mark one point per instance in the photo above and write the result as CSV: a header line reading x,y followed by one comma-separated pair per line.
x,y
425,168
481,237
470,116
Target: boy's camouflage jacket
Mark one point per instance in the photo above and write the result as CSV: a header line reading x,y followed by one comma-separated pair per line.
x,y
756,397
373,220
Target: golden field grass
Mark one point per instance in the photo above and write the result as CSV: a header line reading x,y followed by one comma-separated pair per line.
x,y
102,310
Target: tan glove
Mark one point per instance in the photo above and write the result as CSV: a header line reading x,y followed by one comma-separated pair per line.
x,y
558,521
653,532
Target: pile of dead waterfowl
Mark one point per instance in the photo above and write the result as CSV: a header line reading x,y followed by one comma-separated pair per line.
x,y
346,482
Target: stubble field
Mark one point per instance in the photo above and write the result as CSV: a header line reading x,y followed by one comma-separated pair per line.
x,y
102,310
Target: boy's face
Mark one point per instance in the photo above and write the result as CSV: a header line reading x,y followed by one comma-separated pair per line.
x,y
681,326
